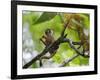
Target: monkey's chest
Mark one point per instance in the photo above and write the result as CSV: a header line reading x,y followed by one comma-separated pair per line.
x,y
49,41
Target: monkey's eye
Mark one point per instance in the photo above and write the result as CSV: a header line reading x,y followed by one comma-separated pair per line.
x,y
49,32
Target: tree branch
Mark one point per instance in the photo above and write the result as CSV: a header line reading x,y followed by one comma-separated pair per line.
x,y
68,60
73,47
53,46
47,49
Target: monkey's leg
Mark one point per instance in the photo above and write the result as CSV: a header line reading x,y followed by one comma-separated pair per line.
x,y
46,57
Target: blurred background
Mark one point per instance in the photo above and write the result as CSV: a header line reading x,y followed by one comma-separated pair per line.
x,y
34,26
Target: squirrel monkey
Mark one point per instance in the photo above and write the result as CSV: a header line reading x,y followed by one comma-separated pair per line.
x,y
48,38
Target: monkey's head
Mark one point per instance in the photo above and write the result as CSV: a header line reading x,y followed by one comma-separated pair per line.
x,y
49,32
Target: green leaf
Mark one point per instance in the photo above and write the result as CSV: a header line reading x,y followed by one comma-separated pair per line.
x,y
46,16
86,20
73,35
75,62
34,65
57,58
31,17
84,61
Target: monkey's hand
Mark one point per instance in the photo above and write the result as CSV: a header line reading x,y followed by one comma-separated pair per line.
x,y
42,41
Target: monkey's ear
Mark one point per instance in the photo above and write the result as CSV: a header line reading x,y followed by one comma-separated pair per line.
x,y
52,32
47,31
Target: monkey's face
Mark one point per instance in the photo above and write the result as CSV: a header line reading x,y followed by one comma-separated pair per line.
x,y
49,32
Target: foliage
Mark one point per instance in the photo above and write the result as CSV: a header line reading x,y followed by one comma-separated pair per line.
x,y
40,21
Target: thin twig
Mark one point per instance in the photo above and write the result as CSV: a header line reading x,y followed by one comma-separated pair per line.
x,y
68,60
65,26
73,47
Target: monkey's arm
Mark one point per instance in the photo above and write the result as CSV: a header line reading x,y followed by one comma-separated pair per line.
x,y
44,37
43,41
